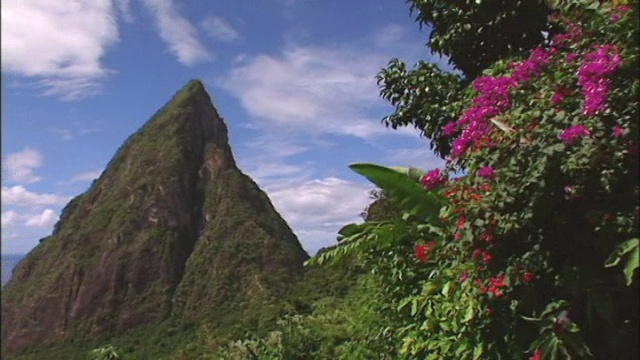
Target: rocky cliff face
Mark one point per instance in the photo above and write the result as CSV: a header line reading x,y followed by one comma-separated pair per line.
x,y
171,229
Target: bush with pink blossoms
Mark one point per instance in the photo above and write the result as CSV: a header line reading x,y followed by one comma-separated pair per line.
x,y
540,262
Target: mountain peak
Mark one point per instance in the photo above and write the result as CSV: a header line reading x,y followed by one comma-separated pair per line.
x,y
172,229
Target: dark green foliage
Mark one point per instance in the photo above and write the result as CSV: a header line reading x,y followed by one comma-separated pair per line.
x,y
474,34
424,97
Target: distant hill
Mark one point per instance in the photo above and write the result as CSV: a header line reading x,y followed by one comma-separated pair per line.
x,y
171,236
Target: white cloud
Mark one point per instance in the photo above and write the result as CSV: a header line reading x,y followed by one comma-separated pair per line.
x,y
177,32
311,89
18,195
47,218
318,208
320,202
20,165
9,218
218,28
87,176
58,43
124,7
267,156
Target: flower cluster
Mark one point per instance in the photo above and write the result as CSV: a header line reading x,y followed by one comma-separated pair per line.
x,y
533,66
487,172
594,77
494,99
422,251
615,17
486,257
573,133
572,35
433,179
495,283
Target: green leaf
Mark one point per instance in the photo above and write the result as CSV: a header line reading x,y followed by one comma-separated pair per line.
x,y
631,266
349,230
409,194
628,250
469,314
478,351
502,126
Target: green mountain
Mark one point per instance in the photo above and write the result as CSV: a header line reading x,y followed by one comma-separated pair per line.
x,y
171,233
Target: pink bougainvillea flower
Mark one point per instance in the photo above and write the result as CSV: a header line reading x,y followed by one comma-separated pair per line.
x,y
573,133
618,131
557,97
487,172
594,77
571,57
449,129
433,179
624,8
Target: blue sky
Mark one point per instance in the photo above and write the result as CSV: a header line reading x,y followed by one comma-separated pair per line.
x,y
293,79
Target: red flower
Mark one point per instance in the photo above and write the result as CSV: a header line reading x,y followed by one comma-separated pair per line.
x,y
488,237
496,284
528,276
457,236
486,257
536,355
422,251
498,281
476,254
461,221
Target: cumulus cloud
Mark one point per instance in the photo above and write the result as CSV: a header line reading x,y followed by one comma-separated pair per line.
x,y
219,28
267,157
9,218
18,195
20,165
124,7
46,218
318,208
177,32
320,202
58,43
311,89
